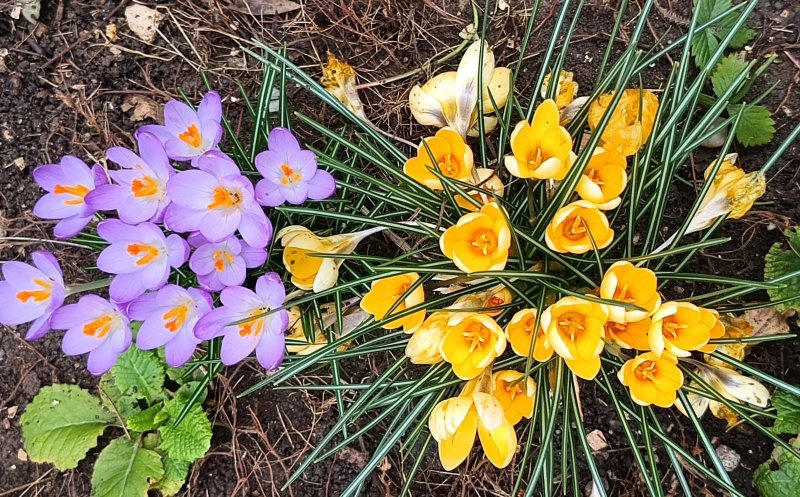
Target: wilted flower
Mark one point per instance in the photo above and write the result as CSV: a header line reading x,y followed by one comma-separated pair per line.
x,y
541,149
140,257
290,173
68,184
216,200
263,334
330,318
652,379
451,98
488,181
168,319
519,332
479,241
575,330
96,326
308,271
630,124
575,226
385,294
679,328
339,79
187,134
448,152
623,282
223,263
516,395
629,335
567,88
496,296
31,293
728,326
425,343
604,179
140,192
472,344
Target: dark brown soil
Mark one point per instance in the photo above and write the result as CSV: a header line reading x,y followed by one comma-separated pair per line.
x,y
63,88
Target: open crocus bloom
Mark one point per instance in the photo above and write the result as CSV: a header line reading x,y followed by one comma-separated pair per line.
x,y
140,192
168,319
487,181
31,293
630,124
623,282
678,328
604,179
310,272
479,241
541,149
424,345
446,153
263,332
629,335
516,395
453,423
223,263
339,79
385,294
652,379
290,173
140,257
472,344
96,326
451,98
567,88
217,201
575,330
519,332
575,226
187,134
68,184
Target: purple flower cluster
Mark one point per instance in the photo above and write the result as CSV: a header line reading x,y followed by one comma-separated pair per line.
x,y
205,212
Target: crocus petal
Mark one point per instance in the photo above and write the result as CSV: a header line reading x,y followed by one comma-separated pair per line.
x,y
253,256
217,225
193,189
213,324
151,149
102,359
295,193
48,176
270,350
13,312
152,333
255,228
234,273
240,299
270,289
39,328
321,186
126,287
116,259
236,347
105,197
282,141
52,206
177,250
114,230
180,349
76,342
210,108
183,219
269,194
71,226
47,264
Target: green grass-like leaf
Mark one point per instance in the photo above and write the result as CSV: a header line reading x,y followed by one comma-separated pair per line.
x,y
780,262
125,469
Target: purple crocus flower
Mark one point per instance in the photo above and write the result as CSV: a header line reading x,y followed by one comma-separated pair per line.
x,y
68,183
168,318
140,256
186,133
221,264
96,326
216,200
290,173
264,334
141,190
31,293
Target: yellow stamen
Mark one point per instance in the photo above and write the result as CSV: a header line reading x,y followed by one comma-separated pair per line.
x,y
255,326
477,335
289,175
220,256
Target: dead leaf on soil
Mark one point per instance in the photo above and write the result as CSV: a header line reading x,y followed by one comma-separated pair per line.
x,y
768,321
264,7
3,55
143,21
143,108
352,456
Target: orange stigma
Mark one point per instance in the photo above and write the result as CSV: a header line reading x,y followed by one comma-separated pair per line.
x,y
145,186
36,295
148,253
79,191
191,136
220,256
174,318
253,327
289,175
99,327
224,198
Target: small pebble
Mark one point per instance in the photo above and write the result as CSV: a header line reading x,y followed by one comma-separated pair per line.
x,y
729,457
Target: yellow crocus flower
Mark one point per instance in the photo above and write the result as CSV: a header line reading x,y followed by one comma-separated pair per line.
x,y
519,332
425,343
678,328
631,123
567,88
516,395
575,329
604,179
629,335
487,180
479,241
652,379
623,282
541,149
569,229
472,344
385,293
448,151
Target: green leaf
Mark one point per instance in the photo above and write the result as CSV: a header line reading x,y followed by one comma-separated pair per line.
x,y
185,392
703,47
124,469
175,473
742,37
779,262
124,406
707,42
145,420
189,440
140,374
782,481
62,424
756,126
726,72
788,406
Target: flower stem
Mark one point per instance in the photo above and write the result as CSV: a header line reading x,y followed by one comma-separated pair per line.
x,y
85,287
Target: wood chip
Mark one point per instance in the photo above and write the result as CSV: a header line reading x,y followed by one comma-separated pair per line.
x,y
111,32
597,441
143,108
143,21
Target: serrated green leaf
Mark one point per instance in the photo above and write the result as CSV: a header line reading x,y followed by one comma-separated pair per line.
x,y
124,469
708,41
726,72
140,374
756,127
703,47
61,424
175,473
783,480
742,37
124,406
788,407
185,392
779,262
189,440
145,420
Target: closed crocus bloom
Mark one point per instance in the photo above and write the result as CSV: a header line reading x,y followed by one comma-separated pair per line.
x,y
425,344
487,181
569,229
479,241
308,271
446,151
624,282
679,328
472,344
385,294
451,98
541,149
732,192
567,88
575,330
630,124
652,379
629,335
604,179
516,395
519,332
